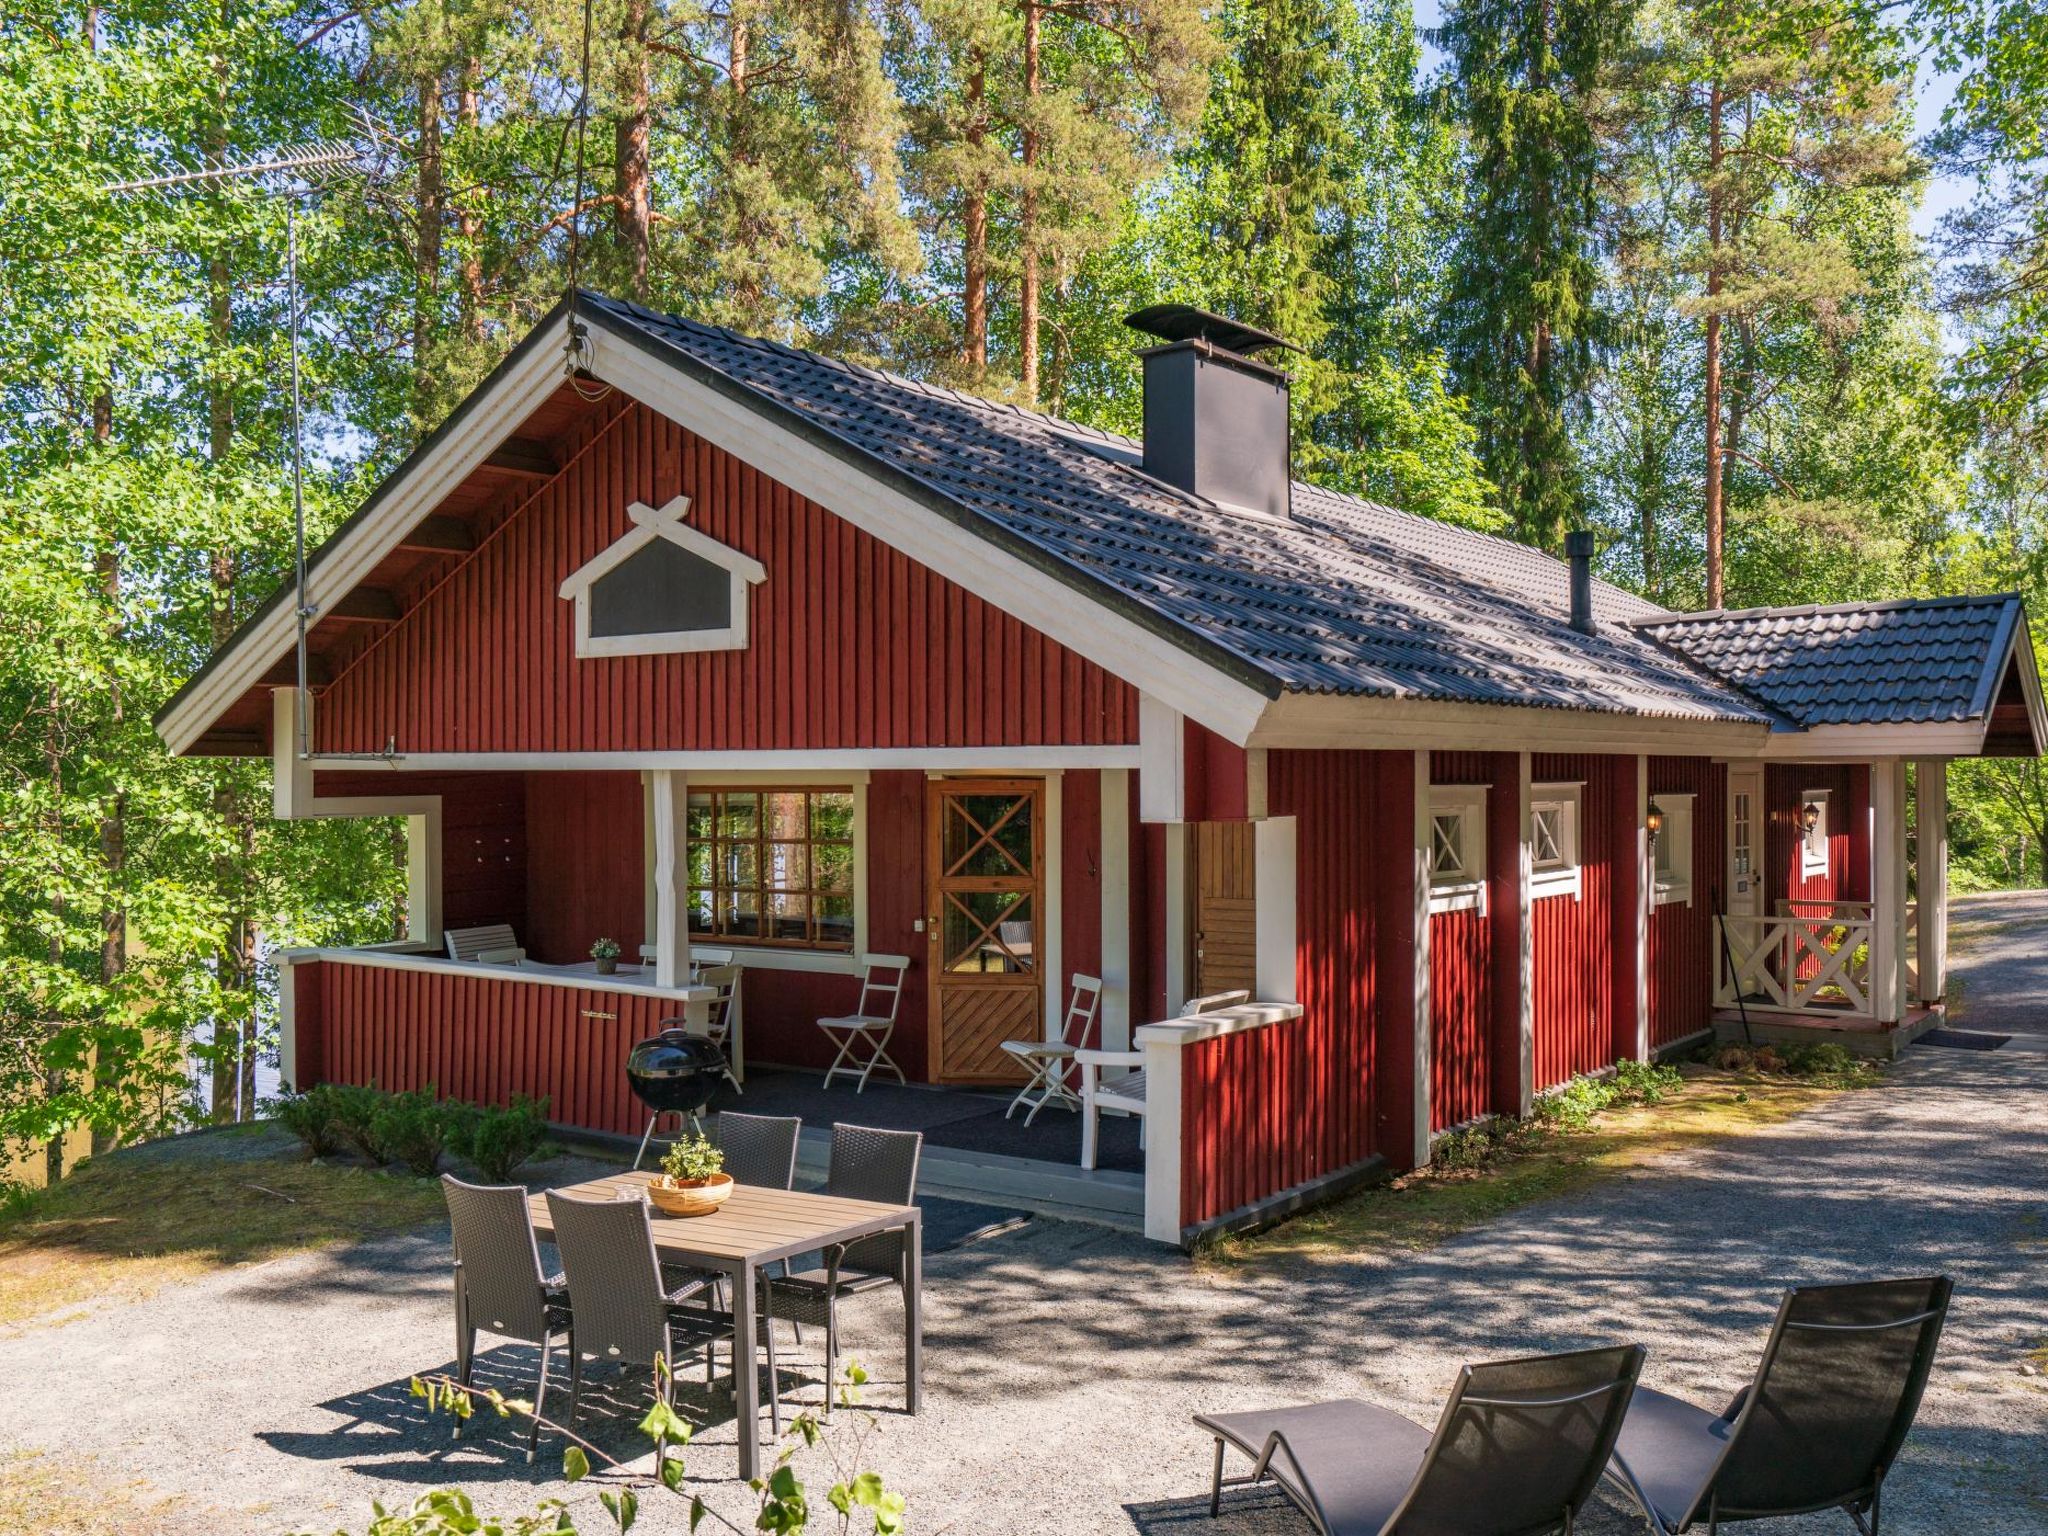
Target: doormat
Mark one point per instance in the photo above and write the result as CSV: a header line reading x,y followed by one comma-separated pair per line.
x,y
1962,1040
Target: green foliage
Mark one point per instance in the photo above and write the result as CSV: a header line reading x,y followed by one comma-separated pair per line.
x,y
1472,1146
352,1116
692,1157
605,949
500,1140
310,1116
414,1129
1644,1082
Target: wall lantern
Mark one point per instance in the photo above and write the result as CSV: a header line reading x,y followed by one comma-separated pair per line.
x,y
1809,817
1653,823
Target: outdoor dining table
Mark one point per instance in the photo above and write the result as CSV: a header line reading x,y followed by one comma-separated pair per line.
x,y
754,1228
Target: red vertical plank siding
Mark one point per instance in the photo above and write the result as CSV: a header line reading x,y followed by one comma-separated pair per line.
x,y
485,659
1080,834
1273,1107
586,846
1217,786
1461,979
310,1037
1784,785
1682,936
483,837
1503,874
1573,936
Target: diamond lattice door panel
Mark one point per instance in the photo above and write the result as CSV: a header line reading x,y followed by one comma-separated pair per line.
x,y
986,861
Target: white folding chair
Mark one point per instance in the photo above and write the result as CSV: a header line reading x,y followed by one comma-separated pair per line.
x,y
1124,1088
1047,1060
863,1035
722,1029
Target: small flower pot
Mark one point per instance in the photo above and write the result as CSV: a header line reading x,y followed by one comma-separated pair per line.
x,y
607,965
689,1197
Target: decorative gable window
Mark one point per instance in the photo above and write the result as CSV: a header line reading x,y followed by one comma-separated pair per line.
x,y
1554,839
662,588
1457,847
1813,833
1671,862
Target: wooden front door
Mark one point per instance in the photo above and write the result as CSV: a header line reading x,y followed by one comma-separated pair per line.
x,y
1226,914
985,926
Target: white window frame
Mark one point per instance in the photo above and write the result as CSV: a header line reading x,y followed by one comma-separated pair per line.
x,y
1813,846
1673,882
649,524
1565,801
1464,888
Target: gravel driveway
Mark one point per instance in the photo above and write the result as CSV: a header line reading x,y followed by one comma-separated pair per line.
x,y
1065,1359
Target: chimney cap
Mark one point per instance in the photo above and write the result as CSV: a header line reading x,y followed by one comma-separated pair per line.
x,y
1184,322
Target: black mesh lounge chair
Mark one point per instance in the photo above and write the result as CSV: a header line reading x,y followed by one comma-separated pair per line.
x,y
1817,1429
629,1313
1517,1452
499,1284
867,1164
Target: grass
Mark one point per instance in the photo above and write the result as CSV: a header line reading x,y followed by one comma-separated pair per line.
x,y
41,1497
122,1227
1487,1172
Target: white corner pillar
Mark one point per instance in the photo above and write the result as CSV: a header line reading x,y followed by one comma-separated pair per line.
x,y
1164,1133
1114,1023
671,797
1888,890
1424,841
1525,936
1162,761
1931,876
1646,903
1274,856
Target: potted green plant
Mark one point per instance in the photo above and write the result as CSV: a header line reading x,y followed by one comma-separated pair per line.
x,y
693,1180
606,953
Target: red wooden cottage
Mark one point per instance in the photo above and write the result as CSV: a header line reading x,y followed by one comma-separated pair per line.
x,y
713,642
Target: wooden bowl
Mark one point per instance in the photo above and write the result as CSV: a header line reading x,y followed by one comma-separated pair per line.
x,y
692,1199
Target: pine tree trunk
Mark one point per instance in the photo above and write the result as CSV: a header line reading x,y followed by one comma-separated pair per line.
x,y
974,227
633,209
429,211
1027,234
472,297
1716,516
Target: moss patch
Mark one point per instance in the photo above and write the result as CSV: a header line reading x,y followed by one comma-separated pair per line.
x,y
123,1226
1431,1205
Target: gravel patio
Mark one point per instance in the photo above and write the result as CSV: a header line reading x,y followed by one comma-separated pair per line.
x,y
1064,1359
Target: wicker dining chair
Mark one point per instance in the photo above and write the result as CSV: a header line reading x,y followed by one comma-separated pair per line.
x,y
867,1164
631,1312
500,1286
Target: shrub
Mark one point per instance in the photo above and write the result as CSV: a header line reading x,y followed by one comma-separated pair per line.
x,y
1644,1082
310,1117
498,1141
1474,1145
353,1111
1573,1106
692,1157
411,1128
1822,1059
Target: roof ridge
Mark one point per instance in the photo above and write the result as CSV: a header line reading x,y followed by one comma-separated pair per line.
x,y
1818,610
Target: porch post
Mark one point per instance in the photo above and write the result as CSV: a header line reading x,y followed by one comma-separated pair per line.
x,y
1931,871
1114,1026
1424,841
1887,833
671,920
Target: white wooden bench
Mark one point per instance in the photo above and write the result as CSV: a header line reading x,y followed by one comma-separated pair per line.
x,y
493,944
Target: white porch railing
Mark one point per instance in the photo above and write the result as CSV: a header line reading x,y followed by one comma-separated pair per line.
x,y
1797,963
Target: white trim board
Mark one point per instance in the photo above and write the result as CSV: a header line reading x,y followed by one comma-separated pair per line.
x,y
649,524
783,764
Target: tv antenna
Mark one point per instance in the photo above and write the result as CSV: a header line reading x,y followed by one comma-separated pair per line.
x,y
288,175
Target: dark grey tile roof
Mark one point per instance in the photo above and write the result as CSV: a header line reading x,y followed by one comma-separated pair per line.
x,y
1347,597
1901,663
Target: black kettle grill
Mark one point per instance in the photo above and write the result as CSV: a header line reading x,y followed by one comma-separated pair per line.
x,y
674,1073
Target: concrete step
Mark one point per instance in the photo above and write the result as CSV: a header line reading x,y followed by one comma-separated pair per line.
x,y
1112,1197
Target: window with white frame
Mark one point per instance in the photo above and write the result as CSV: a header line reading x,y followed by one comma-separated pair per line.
x,y
1457,847
1813,833
1671,860
1554,839
663,587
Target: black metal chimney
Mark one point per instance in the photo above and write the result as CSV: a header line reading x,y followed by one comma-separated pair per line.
x,y
1578,549
1215,418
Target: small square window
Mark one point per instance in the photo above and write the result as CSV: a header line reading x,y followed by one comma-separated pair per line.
x,y
1554,840
1457,847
